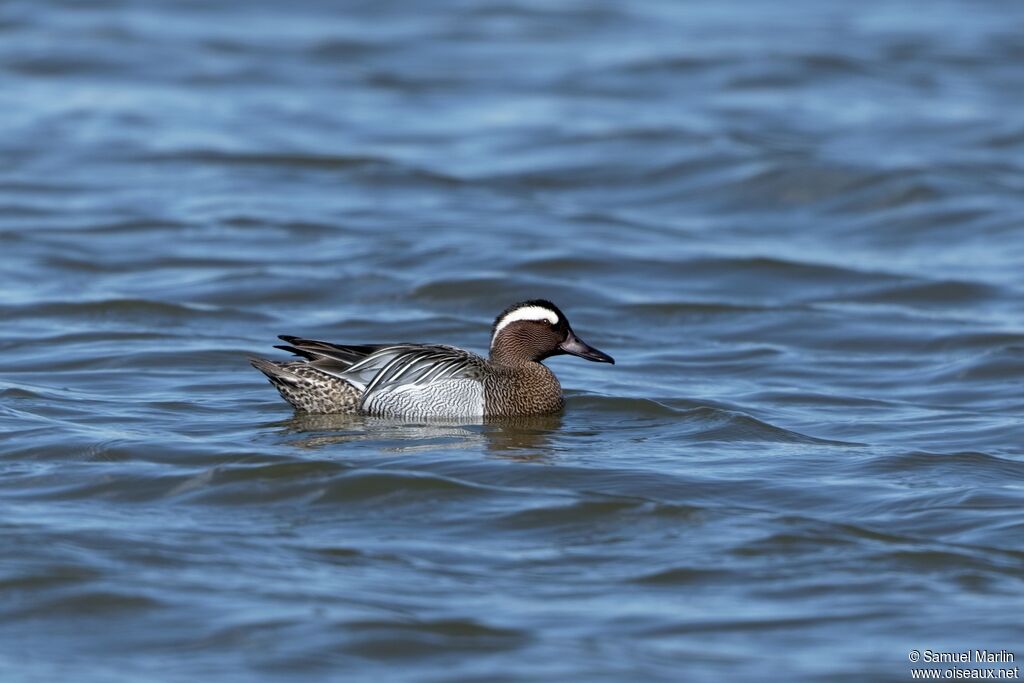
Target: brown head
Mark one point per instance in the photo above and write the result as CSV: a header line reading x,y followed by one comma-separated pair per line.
x,y
534,330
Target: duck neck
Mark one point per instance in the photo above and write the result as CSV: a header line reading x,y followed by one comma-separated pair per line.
x,y
511,357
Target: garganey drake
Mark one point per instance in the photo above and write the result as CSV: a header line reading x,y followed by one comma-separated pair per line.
x,y
430,380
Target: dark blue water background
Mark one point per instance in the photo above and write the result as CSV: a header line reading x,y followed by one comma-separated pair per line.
x,y
799,228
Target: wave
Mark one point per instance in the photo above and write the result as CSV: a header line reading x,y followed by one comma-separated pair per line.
x,y
410,637
696,423
128,310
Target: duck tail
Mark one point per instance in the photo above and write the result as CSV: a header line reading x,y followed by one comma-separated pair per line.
x,y
308,388
275,372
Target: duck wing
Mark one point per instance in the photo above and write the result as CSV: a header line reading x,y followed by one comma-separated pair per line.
x,y
412,365
415,380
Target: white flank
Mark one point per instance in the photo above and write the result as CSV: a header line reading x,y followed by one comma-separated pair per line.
x,y
534,313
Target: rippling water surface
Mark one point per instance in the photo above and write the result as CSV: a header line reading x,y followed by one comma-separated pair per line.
x,y
798,227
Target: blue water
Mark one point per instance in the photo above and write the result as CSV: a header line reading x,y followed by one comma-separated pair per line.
x,y
798,227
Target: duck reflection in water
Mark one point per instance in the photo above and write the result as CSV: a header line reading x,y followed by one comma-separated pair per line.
x,y
526,437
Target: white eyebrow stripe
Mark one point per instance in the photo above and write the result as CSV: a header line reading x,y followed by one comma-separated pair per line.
x,y
534,313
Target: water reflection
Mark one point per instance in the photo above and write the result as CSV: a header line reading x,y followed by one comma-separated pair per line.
x,y
523,437
526,437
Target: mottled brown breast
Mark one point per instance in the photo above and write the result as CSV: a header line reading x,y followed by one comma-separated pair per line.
x,y
525,389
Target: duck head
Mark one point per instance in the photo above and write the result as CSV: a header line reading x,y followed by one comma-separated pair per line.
x,y
534,330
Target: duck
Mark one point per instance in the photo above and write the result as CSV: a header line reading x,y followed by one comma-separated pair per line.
x,y
434,380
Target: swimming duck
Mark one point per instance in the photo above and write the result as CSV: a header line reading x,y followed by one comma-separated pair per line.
x,y
432,380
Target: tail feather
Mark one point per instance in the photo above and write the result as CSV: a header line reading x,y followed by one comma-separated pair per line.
x,y
343,354
298,352
276,372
